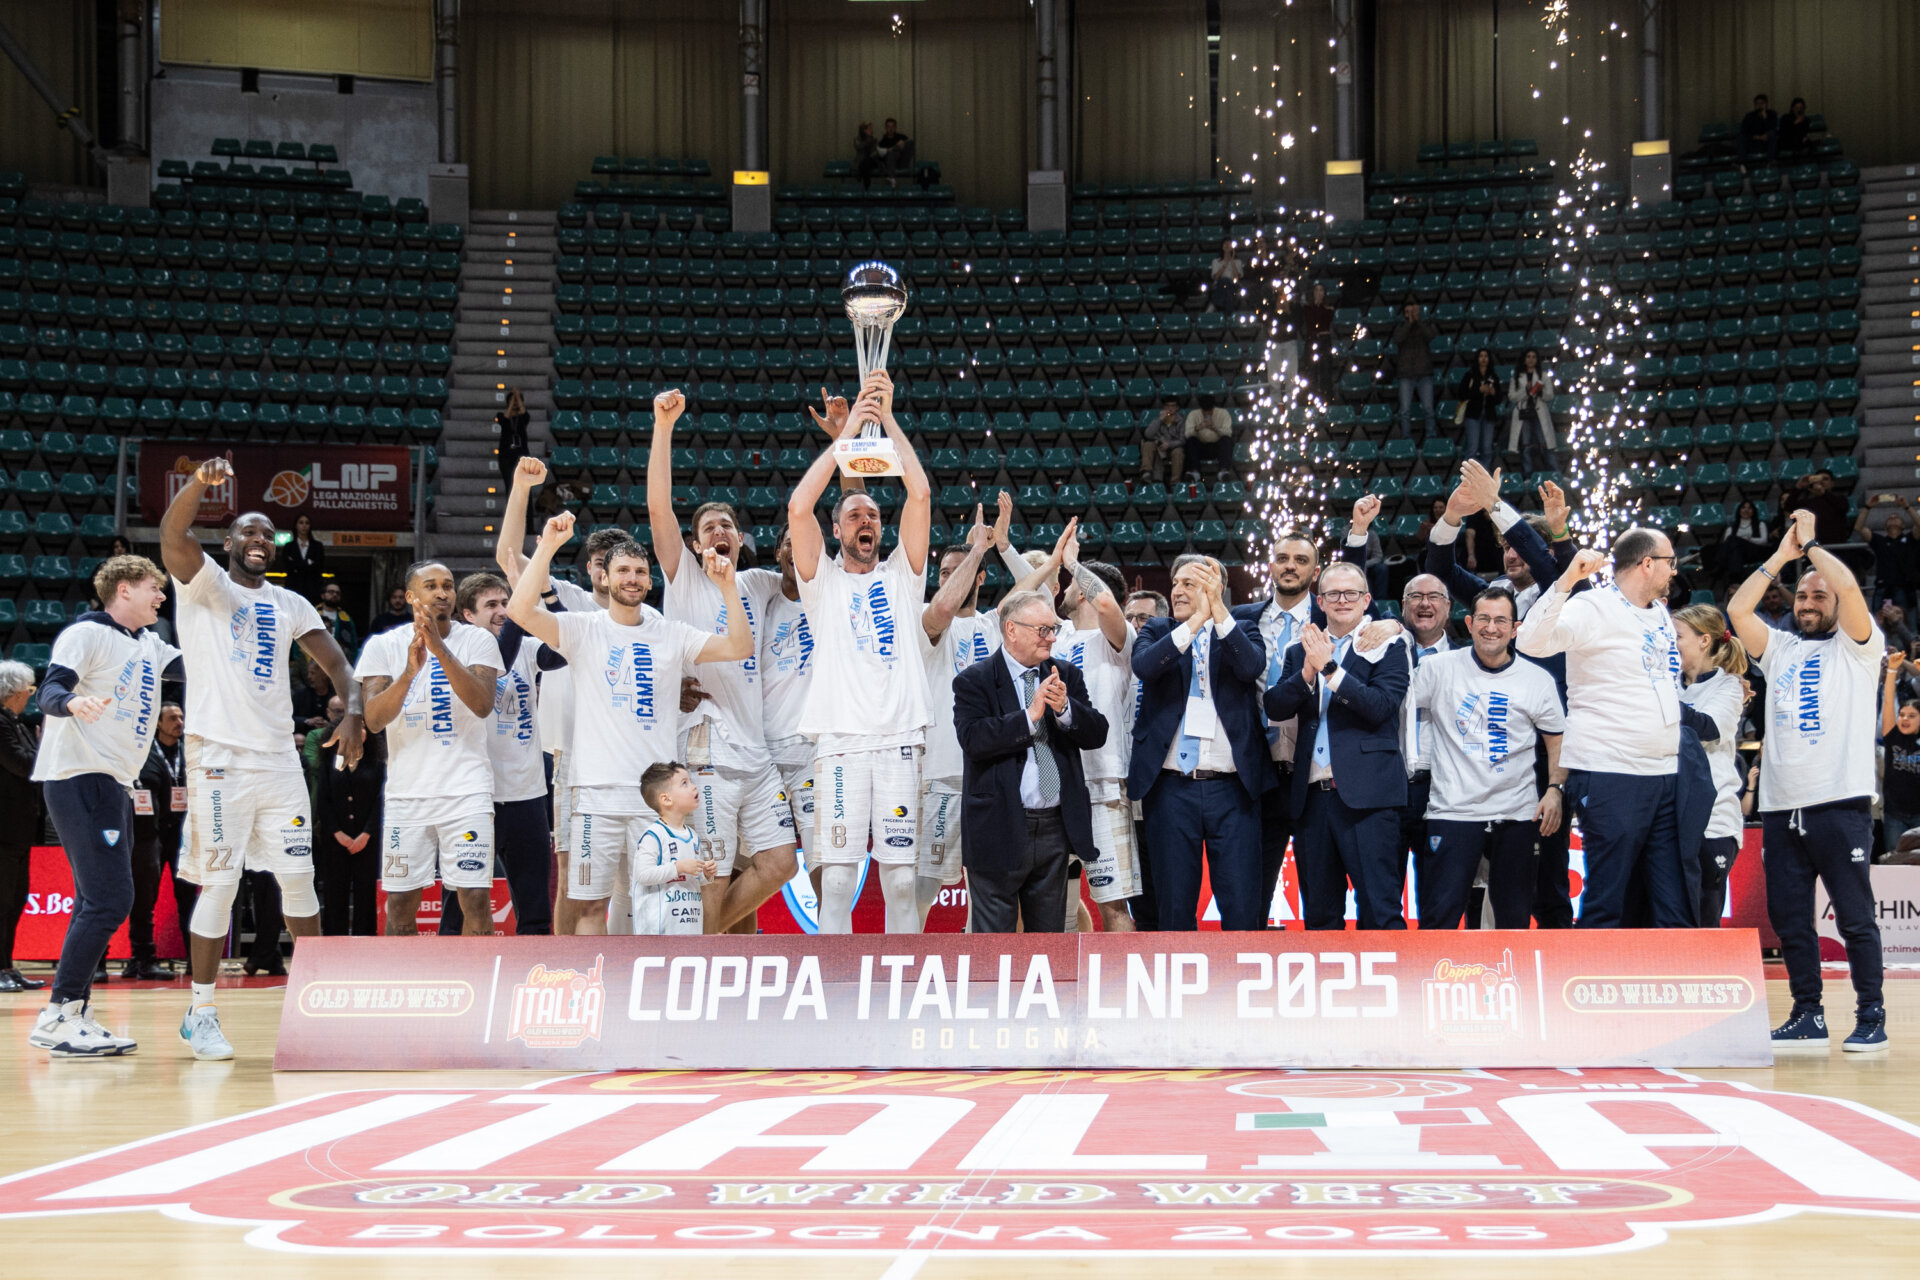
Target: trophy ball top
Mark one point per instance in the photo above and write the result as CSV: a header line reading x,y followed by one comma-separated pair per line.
x,y
873,293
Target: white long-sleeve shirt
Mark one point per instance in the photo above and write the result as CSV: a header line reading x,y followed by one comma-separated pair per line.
x,y
1721,696
1623,679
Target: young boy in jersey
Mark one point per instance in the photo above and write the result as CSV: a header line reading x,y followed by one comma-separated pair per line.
x,y
431,687
669,868
1817,781
247,802
629,662
101,698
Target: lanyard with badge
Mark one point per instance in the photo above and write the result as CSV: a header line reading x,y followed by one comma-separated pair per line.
x,y
1201,720
177,769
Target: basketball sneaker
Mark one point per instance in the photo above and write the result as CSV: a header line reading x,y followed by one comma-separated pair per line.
x,y
1869,1031
201,1030
1803,1032
69,1031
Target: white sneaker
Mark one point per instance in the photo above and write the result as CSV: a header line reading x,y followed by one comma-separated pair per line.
x,y
201,1030
68,1031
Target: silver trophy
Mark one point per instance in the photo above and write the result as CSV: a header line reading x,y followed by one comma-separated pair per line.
x,y
875,298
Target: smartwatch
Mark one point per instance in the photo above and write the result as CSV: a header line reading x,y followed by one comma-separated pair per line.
x,y
1330,667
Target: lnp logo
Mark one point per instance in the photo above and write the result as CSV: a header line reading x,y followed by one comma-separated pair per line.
x,y
988,1167
558,1008
112,837
1472,1003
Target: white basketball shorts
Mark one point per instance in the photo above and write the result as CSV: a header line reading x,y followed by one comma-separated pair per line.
x,y
866,794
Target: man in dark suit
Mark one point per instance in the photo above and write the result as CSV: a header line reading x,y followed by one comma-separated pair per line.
x,y
1349,779
1023,719
159,812
1200,762
20,802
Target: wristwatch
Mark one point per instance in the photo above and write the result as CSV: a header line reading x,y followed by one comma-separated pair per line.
x,y
1808,546
1330,667
1561,787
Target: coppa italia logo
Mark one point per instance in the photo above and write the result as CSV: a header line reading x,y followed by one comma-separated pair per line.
x,y
1472,1003
1022,1162
558,1008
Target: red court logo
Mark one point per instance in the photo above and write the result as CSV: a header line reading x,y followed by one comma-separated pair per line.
x,y
558,1008
1020,1163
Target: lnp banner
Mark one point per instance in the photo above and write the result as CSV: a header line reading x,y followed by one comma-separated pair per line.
x,y
339,486
1421,1000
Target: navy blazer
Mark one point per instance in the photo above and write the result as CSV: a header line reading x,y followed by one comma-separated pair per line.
x,y
991,722
1363,726
1239,666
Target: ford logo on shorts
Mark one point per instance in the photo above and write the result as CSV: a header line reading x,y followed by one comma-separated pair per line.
x,y
899,842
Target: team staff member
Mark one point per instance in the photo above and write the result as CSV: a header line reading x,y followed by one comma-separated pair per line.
x,y
1024,722
431,689
102,702
745,823
247,803
867,706
1349,780
1486,709
1200,765
1817,780
1623,726
159,815
1713,663
20,800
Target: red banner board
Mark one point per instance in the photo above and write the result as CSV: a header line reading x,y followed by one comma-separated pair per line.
x,y
339,486
49,910
1536,998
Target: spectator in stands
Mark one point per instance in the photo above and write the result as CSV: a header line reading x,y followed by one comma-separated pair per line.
x,y
1896,556
1745,543
1435,515
1413,365
1900,735
1164,437
20,801
399,613
121,547
339,622
896,151
304,559
1210,428
310,702
1224,275
1814,492
1482,405
512,424
1893,623
866,153
157,820
346,854
1314,322
1530,433
1795,128
1760,132
1776,609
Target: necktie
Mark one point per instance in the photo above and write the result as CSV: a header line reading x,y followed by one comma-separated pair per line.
x,y
1276,660
1322,751
1043,761
1189,754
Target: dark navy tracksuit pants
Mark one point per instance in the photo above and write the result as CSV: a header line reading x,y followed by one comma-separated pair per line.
x,y
1833,844
94,817
1448,864
1717,854
522,834
1630,832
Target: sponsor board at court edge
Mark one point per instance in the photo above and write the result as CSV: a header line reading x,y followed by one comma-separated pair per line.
x,y
340,486
1116,1163
1663,998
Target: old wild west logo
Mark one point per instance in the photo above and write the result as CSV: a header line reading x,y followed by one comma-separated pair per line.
x,y
1034,1163
1473,1002
558,1008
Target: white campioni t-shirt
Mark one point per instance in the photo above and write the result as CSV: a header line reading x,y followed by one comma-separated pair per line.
x,y
786,670
734,702
124,668
237,643
1822,715
869,684
626,694
965,642
1109,676
513,739
1481,728
1623,679
436,746
1721,696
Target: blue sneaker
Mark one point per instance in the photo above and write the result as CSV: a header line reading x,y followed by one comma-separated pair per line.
x,y
1805,1031
201,1030
1869,1031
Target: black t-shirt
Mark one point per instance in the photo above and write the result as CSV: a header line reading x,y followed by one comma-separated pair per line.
x,y
1897,560
1901,786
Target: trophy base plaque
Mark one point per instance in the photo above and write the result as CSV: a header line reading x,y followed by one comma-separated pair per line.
x,y
867,457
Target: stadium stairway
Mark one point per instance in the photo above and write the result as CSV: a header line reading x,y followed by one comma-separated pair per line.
x,y
503,338
1890,327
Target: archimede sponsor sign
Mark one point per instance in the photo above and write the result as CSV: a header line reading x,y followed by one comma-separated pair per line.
x,y
1018,1164
1537,998
362,487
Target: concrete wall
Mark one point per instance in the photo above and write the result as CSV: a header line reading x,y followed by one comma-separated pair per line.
x,y
386,132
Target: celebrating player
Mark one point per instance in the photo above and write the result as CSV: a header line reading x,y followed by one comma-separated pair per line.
x,y
867,701
247,796
431,687
627,716
102,702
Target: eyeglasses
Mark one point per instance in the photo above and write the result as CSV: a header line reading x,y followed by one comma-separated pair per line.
x,y
1429,597
1662,557
1045,630
1342,597
1491,620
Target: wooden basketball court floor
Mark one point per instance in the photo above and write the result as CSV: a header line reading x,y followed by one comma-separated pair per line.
x,y
52,1112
